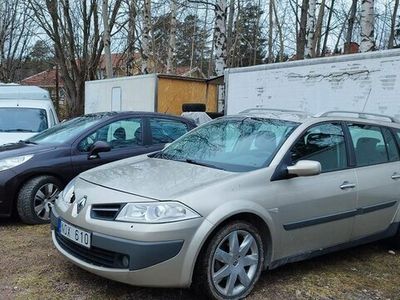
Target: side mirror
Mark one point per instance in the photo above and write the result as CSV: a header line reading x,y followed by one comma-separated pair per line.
x,y
305,168
98,147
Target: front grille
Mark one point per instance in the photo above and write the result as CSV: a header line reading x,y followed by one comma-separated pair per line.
x,y
94,255
105,211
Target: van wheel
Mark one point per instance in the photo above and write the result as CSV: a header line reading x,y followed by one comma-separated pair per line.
x,y
232,262
35,199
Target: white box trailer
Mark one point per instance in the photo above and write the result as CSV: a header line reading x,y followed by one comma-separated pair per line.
x,y
153,93
367,82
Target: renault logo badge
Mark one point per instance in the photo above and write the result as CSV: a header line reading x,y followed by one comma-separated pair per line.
x,y
81,204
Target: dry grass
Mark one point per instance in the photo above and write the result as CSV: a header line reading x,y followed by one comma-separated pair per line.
x,y
32,269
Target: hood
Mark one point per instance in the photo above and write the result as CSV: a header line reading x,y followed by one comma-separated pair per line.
x,y
14,137
18,149
154,178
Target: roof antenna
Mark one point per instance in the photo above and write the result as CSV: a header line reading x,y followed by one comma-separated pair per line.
x,y
366,100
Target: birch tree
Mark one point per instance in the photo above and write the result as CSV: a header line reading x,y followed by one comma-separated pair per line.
x,y
310,30
146,39
172,40
367,23
220,36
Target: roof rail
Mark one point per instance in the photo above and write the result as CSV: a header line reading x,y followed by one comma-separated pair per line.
x,y
361,115
275,110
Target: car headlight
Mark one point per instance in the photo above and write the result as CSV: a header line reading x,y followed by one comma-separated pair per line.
x,y
12,162
67,195
156,212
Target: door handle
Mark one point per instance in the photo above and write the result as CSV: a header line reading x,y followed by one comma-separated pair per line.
x,y
347,185
396,176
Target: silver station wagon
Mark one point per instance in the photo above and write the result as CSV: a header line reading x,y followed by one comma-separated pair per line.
x,y
236,196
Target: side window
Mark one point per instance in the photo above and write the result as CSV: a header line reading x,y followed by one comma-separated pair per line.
x,y
119,134
392,150
397,131
324,143
166,130
369,144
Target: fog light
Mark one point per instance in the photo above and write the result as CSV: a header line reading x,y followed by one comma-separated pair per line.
x,y
125,261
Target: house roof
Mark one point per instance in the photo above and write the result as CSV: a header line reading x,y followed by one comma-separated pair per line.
x,y
46,78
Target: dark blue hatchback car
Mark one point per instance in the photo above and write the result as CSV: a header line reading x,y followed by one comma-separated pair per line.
x,y
33,172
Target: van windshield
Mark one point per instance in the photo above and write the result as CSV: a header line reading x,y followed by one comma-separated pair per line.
x,y
65,131
232,144
21,119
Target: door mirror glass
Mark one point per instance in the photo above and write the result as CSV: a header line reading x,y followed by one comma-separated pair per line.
x,y
98,147
305,168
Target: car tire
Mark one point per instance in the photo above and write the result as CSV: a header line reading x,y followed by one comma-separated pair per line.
x,y
35,199
222,262
396,239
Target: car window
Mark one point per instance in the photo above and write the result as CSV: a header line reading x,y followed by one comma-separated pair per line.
x,y
392,150
397,131
233,144
119,134
166,131
324,143
53,120
369,144
21,119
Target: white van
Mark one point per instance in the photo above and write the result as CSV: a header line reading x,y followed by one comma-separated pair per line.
x,y
24,112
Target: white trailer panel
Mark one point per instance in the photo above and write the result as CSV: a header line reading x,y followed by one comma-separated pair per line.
x,y
121,94
360,82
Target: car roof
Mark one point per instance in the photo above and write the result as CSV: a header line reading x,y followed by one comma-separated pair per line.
x,y
304,117
111,114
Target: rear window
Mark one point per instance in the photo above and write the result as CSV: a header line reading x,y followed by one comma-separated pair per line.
x,y
20,119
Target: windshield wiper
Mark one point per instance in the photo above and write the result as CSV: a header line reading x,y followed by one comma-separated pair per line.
x,y
195,162
18,130
27,142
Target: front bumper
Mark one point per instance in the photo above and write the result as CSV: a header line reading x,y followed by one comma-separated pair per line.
x,y
8,187
151,263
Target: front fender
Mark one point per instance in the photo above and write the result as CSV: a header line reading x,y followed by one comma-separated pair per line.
x,y
213,220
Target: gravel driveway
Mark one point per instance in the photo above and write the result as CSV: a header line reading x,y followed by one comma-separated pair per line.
x,y
31,269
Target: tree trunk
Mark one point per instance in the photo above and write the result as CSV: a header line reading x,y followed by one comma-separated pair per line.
x,y
309,50
229,40
393,25
318,31
349,33
106,40
220,36
301,38
146,40
367,26
280,32
328,29
172,40
131,36
270,31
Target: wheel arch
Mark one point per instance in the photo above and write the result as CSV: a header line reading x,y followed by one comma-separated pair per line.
x,y
259,218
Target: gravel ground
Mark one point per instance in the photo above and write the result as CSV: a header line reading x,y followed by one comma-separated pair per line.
x,y
30,268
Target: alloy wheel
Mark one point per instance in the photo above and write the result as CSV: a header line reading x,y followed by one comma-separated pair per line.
x,y
235,263
44,199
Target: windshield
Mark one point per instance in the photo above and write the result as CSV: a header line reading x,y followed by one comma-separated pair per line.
x,y
231,144
65,131
20,119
